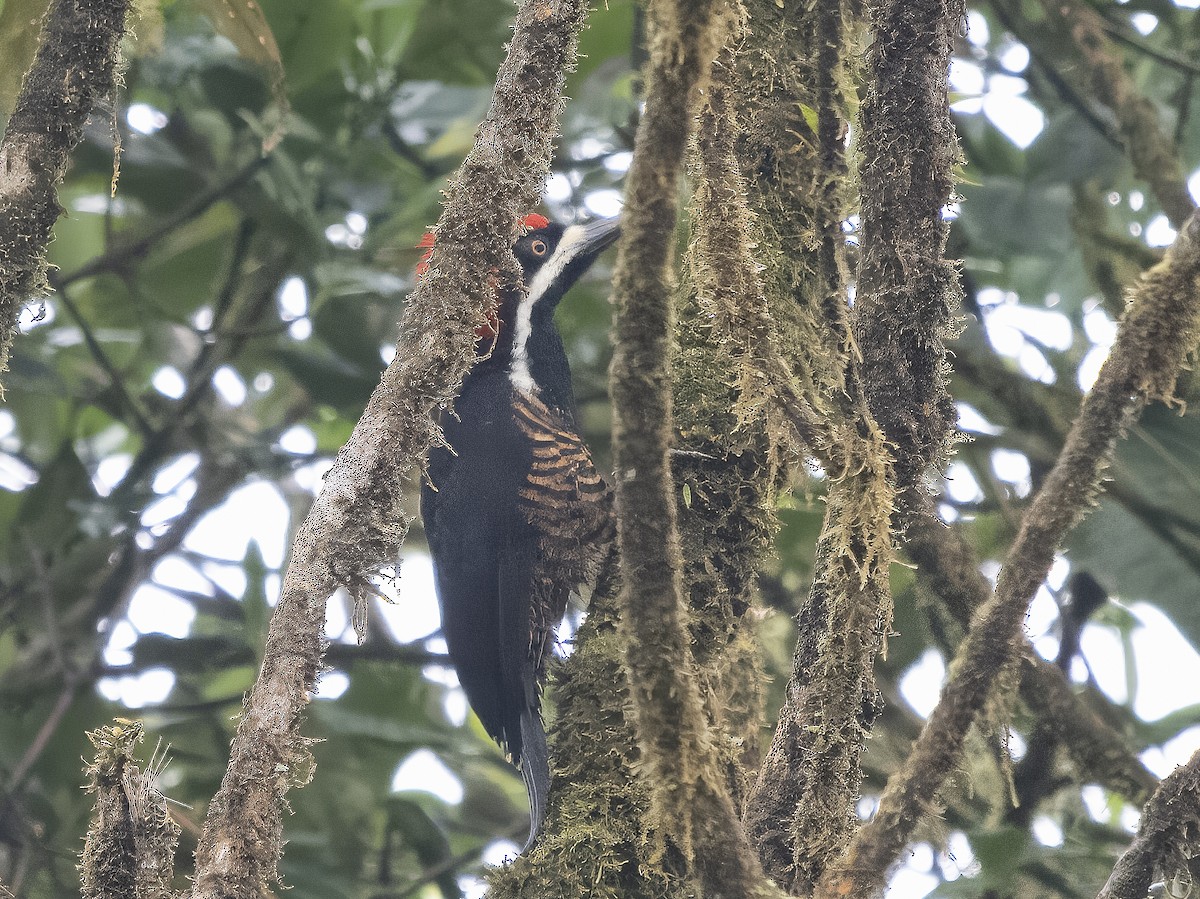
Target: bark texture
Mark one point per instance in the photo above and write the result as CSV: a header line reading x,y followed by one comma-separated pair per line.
x,y
74,68
690,800
1166,839
908,293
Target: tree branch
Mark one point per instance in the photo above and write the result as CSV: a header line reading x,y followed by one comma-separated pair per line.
x,y
948,567
74,67
800,812
908,293
358,521
1160,328
115,378
690,801
729,288
1044,59
1166,836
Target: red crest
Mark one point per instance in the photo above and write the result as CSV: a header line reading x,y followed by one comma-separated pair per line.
x,y
426,244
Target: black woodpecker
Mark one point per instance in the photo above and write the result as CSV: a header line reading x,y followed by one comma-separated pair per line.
x,y
516,516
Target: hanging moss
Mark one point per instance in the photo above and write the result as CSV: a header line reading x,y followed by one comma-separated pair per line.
x,y
795,94
727,483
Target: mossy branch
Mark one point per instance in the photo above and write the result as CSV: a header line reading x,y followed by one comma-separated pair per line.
x,y
130,848
729,289
948,567
1101,76
358,521
908,293
690,801
1160,328
793,91
1165,840
74,68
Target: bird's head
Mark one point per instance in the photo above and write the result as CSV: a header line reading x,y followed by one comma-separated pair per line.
x,y
552,258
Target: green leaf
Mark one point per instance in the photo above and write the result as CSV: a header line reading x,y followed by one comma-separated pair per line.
x,y
608,39
243,22
354,328
313,38
1005,216
183,271
50,510
1070,150
384,725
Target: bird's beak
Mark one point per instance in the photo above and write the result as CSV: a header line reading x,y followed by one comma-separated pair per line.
x,y
599,236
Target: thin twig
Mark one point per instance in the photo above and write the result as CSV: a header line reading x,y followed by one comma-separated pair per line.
x,y
115,379
116,258
1121,31
34,751
71,679
429,875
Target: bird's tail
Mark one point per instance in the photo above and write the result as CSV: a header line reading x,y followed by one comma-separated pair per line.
x,y
535,769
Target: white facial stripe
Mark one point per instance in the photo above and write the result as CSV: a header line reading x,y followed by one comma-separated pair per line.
x,y
568,248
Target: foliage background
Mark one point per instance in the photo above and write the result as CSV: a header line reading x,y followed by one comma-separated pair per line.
x,y
218,325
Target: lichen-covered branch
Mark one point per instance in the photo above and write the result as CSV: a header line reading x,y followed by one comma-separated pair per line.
x,y
1101,74
690,802
741,431
793,91
901,318
1159,330
358,521
74,68
130,848
948,567
908,293
801,813
1165,840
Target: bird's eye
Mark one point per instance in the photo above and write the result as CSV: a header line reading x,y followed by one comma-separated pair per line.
x,y
538,247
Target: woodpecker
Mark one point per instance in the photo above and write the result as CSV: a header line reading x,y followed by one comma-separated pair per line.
x,y
516,516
